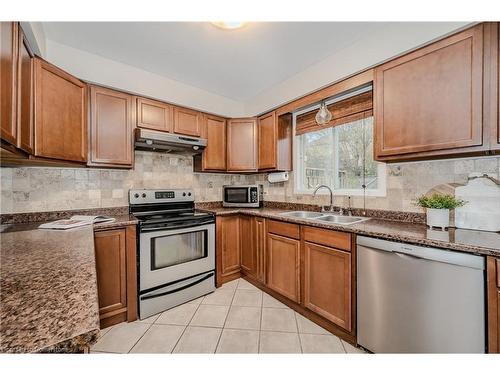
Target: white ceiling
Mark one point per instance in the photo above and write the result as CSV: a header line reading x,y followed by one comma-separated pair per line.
x,y
238,64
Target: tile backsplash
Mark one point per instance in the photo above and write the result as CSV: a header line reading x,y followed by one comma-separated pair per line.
x,y
34,189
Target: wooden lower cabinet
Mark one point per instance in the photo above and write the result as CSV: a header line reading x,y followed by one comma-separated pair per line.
x,y
493,291
253,243
283,266
327,283
115,252
228,260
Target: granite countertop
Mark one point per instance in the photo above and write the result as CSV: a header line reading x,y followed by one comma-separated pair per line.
x,y
470,241
49,287
49,290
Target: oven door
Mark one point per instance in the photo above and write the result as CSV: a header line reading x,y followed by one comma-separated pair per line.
x,y
172,254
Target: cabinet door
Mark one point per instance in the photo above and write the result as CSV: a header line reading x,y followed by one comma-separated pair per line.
x,y
214,155
493,303
187,121
111,128
24,94
283,266
228,247
242,145
111,271
8,61
259,241
268,131
249,261
429,102
327,283
492,64
155,115
60,114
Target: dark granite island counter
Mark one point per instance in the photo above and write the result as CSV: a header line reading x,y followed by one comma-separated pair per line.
x,y
48,290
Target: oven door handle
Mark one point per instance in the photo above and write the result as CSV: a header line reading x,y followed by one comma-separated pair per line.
x,y
149,296
181,226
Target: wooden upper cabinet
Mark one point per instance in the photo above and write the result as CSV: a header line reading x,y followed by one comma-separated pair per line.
x,y
327,283
275,142
8,69
187,122
60,114
283,266
214,155
242,138
111,128
429,102
25,138
155,115
492,82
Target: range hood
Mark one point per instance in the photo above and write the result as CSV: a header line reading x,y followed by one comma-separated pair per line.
x,y
152,140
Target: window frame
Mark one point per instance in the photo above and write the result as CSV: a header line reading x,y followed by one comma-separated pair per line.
x,y
298,158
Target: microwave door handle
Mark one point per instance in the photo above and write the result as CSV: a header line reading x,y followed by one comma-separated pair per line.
x,y
161,294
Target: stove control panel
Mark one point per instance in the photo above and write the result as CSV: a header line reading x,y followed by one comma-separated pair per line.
x,y
160,196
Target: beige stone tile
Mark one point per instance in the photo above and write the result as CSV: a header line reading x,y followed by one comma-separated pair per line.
x,y
320,343
281,320
243,284
247,297
198,340
150,320
279,342
221,297
180,315
104,331
350,349
196,301
240,317
306,326
159,339
121,338
210,316
238,341
230,285
268,301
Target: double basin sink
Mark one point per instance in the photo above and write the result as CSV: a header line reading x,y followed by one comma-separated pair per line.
x,y
325,217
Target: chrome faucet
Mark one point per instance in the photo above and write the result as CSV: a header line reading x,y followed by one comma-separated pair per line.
x,y
329,208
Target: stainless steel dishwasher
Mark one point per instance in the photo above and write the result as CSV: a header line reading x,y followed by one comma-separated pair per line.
x,y
413,299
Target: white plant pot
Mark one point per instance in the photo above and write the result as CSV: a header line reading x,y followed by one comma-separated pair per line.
x,y
438,217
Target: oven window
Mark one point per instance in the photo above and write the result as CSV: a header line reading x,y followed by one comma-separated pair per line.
x,y
236,195
178,248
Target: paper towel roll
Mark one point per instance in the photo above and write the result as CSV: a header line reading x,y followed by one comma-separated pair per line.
x,y
277,177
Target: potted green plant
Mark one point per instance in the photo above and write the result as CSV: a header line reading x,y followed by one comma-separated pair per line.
x,y
438,208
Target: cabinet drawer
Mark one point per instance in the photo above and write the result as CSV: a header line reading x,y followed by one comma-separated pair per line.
x,y
283,229
331,238
498,272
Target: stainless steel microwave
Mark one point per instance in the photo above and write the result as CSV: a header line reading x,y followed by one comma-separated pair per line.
x,y
242,195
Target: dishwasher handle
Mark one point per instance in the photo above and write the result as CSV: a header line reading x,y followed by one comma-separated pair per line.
x,y
427,253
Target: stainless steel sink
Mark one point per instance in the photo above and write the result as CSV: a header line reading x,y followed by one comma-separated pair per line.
x,y
304,214
338,219
325,217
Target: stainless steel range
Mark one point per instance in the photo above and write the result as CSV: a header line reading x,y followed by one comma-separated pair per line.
x,y
176,249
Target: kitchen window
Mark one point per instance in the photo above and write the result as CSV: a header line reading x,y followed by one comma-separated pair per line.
x,y
340,153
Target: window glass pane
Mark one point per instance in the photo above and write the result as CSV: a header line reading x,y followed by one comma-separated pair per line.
x,y
317,165
341,157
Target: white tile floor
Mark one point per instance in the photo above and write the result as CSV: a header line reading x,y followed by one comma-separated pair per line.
x,y
236,318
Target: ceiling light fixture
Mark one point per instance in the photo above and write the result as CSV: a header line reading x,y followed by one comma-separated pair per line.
x,y
228,25
323,116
